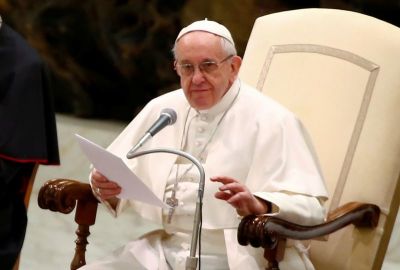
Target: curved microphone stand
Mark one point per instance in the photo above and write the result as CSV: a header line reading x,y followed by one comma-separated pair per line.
x,y
191,261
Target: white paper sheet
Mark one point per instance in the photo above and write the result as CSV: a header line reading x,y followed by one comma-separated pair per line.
x,y
116,170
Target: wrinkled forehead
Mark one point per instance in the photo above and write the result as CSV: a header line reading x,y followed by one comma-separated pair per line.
x,y
199,46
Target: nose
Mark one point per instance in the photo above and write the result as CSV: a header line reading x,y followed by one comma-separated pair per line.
x,y
198,76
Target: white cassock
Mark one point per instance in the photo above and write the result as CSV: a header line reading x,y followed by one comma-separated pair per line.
x,y
246,136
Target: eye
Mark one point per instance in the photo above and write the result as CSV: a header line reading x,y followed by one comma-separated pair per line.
x,y
208,66
187,68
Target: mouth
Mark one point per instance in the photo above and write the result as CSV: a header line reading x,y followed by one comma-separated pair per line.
x,y
200,90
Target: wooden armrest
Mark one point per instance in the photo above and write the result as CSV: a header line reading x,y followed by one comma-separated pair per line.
x,y
62,195
271,232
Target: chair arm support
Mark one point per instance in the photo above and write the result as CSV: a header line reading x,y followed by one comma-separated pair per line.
x,y
266,231
62,195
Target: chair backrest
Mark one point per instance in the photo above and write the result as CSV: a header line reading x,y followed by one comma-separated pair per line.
x,y
339,71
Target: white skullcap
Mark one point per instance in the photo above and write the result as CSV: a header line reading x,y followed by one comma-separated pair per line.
x,y
207,26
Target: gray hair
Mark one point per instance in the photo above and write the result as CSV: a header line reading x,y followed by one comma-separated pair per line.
x,y
226,45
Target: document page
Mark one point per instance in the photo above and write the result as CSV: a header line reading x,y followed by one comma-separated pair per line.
x,y
112,167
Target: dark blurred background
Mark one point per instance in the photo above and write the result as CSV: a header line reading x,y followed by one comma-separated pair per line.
x,y
110,57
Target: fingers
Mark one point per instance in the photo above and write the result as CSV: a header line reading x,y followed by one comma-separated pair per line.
x,y
230,185
237,201
99,180
103,187
223,195
233,188
223,179
232,191
238,196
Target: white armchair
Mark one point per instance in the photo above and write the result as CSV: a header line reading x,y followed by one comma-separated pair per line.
x,y
339,71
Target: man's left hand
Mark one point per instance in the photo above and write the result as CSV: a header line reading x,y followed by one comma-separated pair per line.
x,y
238,195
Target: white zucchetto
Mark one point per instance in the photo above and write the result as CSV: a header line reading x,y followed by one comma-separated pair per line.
x,y
207,26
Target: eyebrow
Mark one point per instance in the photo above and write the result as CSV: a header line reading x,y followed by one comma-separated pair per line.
x,y
185,61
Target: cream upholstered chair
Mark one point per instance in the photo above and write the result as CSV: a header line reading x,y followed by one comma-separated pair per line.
x,y
339,71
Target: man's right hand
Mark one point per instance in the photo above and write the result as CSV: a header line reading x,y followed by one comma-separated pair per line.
x,y
103,187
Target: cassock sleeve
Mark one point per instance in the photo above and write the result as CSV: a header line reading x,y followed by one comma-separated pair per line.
x,y
290,177
297,208
27,119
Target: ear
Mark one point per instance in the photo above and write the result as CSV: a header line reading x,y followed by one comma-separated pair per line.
x,y
236,63
174,67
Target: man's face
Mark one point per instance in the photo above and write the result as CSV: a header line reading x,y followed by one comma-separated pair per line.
x,y
204,86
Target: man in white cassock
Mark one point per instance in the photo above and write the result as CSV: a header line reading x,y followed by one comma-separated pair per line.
x,y
255,154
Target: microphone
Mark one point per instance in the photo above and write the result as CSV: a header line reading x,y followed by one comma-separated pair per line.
x,y
167,117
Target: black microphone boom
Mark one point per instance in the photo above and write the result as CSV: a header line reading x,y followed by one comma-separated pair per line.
x,y
167,117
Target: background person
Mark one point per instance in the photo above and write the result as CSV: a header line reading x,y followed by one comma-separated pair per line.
x,y
28,135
